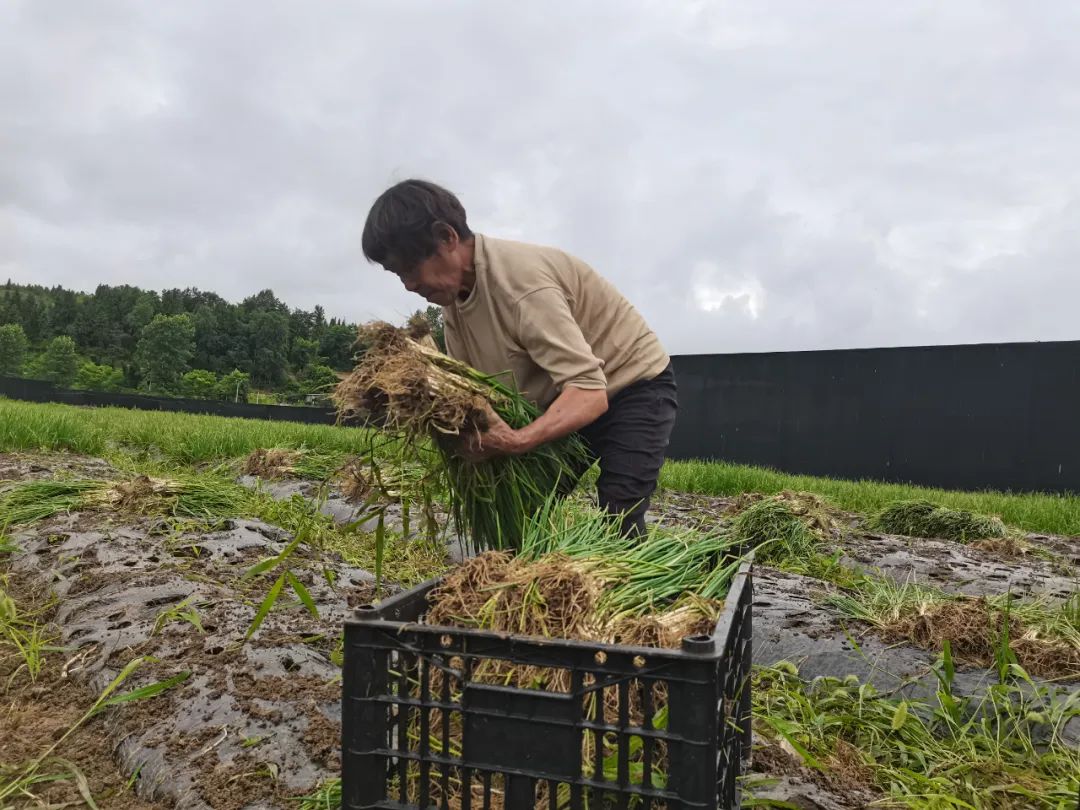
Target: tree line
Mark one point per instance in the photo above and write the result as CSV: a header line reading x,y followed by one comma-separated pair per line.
x,y
179,342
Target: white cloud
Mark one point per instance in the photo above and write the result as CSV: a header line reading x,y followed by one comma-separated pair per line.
x,y
779,175
714,290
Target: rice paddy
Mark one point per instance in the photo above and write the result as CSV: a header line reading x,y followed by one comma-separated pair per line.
x,y
253,539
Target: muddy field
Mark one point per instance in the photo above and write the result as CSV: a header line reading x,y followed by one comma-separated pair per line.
x,y
254,723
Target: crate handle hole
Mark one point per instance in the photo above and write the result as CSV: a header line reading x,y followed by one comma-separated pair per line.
x,y
698,644
600,657
639,661
446,641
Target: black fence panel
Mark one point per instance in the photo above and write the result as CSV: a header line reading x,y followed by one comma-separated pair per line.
x,y
37,391
992,416
1000,416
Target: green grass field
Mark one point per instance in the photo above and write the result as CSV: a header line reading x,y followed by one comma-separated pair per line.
x,y
179,437
1053,514
190,439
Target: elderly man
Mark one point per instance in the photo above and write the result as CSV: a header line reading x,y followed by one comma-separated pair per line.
x,y
570,341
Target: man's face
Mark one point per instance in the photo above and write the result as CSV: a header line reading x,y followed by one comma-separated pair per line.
x,y
437,279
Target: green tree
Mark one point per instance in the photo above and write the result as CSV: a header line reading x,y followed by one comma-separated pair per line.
x,y
96,377
142,312
164,350
62,313
60,362
234,386
199,384
304,353
336,345
13,345
268,338
318,322
319,380
265,301
433,317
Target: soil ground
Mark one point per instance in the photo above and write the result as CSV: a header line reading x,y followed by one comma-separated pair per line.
x,y
257,724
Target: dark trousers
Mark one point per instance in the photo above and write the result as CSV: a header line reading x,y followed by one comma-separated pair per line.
x,y
630,441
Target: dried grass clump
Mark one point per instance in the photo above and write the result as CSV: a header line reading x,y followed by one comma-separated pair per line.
x,y
558,596
271,463
135,495
1008,547
927,519
667,629
974,629
555,597
362,480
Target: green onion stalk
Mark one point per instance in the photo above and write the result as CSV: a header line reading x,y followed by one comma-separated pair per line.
x,y
195,496
642,576
408,389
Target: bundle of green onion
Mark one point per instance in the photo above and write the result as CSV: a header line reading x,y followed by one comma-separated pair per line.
x,y
575,576
194,496
409,389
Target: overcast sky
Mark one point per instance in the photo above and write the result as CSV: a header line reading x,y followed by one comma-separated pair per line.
x,y
753,176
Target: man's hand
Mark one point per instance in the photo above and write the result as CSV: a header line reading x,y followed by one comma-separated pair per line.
x,y
498,440
572,410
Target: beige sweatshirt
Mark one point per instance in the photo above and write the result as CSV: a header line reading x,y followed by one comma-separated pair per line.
x,y
546,320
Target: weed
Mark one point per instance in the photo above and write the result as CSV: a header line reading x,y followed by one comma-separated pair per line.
x,y
182,612
286,577
326,797
23,633
1004,749
21,782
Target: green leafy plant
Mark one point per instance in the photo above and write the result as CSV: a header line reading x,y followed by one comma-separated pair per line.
x,y
1003,748
21,782
285,577
184,611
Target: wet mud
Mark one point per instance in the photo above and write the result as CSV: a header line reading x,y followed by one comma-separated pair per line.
x,y
257,723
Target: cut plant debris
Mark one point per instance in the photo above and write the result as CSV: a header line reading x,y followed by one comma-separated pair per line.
x,y
410,390
282,462
926,519
789,525
1039,635
194,496
1002,749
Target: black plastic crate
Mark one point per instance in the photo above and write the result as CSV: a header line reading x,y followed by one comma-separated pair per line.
x,y
423,725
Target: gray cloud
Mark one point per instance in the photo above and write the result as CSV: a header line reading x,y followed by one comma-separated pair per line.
x,y
778,175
